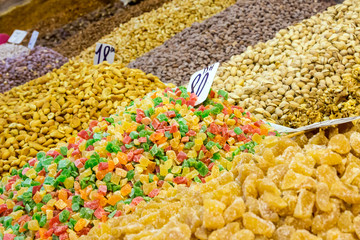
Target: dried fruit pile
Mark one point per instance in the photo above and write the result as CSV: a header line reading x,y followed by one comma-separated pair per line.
x,y
27,66
223,35
307,73
303,189
76,36
47,15
107,170
143,33
37,115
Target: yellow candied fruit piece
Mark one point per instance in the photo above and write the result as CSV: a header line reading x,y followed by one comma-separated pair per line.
x,y
96,129
144,161
120,172
9,203
33,225
49,188
31,173
115,179
49,214
185,171
51,202
169,177
69,182
192,154
60,204
16,215
171,154
257,138
201,136
169,163
230,122
176,169
86,173
192,174
163,170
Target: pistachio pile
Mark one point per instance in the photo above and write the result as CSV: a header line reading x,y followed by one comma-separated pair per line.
x,y
299,77
41,113
143,33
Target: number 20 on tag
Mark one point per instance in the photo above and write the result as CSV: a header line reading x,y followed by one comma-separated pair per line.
x,y
201,81
104,52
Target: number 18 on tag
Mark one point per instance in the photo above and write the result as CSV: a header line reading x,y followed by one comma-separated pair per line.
x,y
104,52
201,81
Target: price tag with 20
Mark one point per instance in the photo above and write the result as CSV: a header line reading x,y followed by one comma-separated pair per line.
x,y
201,81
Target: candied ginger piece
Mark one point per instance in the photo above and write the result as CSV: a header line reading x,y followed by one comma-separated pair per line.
x,y
245,170
357,225
352,171
345,222
243,234
268,185
305,204
326,156
253,205
355,142
202,233
282,144
274,201
284,232
293,180
258,225
327,174
213,214
327,220
226,232
190,217
290,197
323,197
302,235
340,144
301,168
319,139
235,210
175,230
277,173
249,186
345,192
267,213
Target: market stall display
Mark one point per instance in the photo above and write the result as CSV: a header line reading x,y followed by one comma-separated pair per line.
x,y
128,158
95,30
305,189
43,112
47,14
226,34
143,33
307,73
27,65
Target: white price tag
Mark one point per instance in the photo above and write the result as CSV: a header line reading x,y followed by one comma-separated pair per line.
x,y
17,37
104,52
201,81
33,39
283,129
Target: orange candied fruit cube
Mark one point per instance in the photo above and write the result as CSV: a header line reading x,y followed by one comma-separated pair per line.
x,y
37,197
114,199
80,224
123,158
126,189
111,166
63,195
101,174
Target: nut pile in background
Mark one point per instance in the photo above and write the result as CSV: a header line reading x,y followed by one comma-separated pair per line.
x,y
47,15
303,189
307,73
80,40
39,114
143,33
8,50
18,70
222,36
